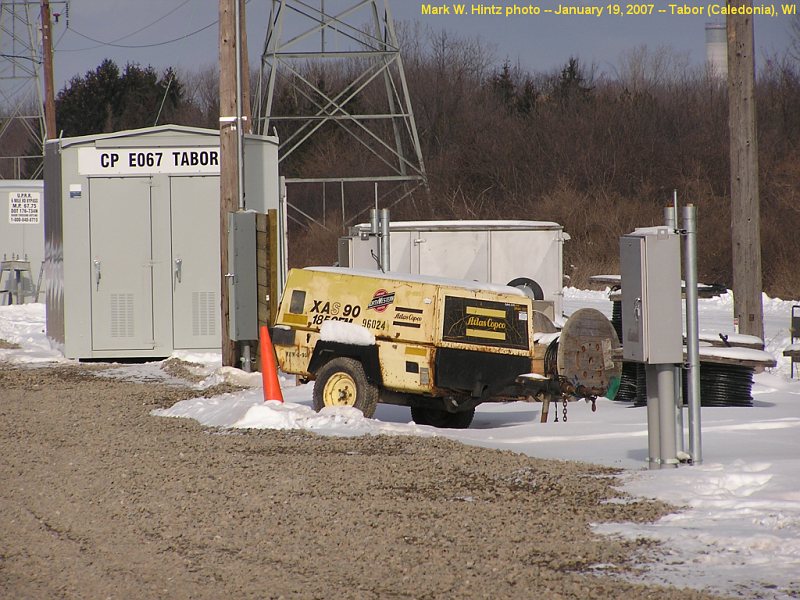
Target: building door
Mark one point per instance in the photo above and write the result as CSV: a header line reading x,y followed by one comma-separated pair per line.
x,y
121,263
194,205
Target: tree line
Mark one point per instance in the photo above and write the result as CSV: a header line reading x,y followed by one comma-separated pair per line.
x,y
599,153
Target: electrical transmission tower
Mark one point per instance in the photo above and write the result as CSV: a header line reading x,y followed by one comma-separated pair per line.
x,y
22,125
332,82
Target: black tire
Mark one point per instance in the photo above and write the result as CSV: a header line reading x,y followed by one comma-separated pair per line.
x,y
343,382
532,289
423,415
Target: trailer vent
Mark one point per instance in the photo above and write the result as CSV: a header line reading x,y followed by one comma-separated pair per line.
x,y
122,315
204,310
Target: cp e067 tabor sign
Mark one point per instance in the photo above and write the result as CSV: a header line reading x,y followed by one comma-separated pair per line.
x,y
148,161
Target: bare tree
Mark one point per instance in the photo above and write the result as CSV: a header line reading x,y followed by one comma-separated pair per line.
x,y
202,89
794,30
642,70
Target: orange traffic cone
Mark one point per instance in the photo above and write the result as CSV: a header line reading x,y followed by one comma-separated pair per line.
x,y
269,370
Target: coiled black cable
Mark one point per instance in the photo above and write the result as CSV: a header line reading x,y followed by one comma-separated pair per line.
x,y
720,385
616,317
725,385
628,383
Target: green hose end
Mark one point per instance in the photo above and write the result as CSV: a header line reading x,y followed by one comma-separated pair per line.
x,y
613,387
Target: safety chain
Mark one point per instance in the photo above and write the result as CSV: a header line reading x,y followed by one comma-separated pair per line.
x,y
564,411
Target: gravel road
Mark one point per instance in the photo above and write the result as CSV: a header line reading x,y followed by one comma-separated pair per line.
x,y
98,499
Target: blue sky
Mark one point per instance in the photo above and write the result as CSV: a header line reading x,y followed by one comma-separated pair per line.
x,y
541,42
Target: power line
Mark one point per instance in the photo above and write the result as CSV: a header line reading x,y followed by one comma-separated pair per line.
x,y
100,44
133,46
164,43
185,2
20,56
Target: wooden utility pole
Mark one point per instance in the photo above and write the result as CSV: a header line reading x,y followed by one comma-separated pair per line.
x,y
745,211
228,168
228,146
49,91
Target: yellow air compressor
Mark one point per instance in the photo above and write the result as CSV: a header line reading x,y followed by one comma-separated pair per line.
x,y
439,346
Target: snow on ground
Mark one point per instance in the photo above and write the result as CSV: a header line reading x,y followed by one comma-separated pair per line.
x,y
23,326
740,531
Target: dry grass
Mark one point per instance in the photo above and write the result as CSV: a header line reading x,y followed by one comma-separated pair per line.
x,y
6,345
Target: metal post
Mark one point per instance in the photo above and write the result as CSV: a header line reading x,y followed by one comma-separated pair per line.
x,y
671,221
653,431
386,262
344,220
679,435
692,332
669,218
661,437
239,121
283,228
375,235
374,228
668,454
246,360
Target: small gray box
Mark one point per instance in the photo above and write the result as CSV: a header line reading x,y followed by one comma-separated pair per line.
x,y
651,296
344,252
243,286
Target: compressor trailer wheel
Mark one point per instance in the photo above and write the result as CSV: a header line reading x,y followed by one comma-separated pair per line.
x,y
343,382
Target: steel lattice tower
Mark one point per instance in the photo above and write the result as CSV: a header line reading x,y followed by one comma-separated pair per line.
x,y
354,43
21,100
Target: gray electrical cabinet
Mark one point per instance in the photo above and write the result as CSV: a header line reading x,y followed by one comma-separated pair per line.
x,y
132,242
242,290
651,296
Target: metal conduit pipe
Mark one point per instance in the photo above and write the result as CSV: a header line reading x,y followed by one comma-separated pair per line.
x,y
692,332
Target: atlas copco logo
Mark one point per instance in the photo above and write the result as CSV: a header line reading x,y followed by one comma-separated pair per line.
x,y
381,300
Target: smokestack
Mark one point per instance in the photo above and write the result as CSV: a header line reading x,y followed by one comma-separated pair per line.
x,y
717,50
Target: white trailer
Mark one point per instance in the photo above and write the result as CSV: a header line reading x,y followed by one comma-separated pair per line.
x,y
525,254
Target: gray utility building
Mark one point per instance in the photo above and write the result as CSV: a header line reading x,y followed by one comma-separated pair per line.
x,y
21,238
132,238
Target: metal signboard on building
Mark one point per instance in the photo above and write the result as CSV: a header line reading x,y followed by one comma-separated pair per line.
x,y
23,208
21,239
105,162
